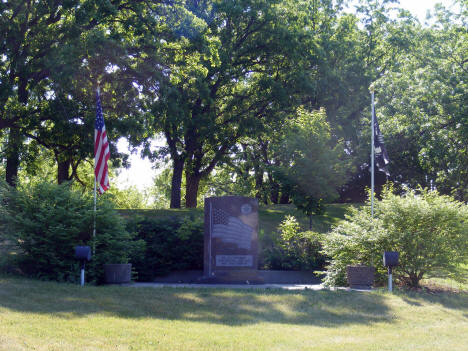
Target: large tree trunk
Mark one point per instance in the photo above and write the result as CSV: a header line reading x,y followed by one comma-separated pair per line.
x,y
259,184
192,182
15,140
63,171
284,199
176,182
413,279
274,186
13,157
274,192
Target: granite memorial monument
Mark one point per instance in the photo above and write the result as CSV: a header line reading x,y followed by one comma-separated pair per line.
x,y
231,240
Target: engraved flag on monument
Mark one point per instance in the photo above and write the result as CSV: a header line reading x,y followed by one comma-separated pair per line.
x,y
230,229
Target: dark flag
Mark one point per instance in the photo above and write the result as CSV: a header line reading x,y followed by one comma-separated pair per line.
x,y
381,156
101,150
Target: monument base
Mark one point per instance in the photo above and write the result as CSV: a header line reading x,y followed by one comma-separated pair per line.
x,y
265,276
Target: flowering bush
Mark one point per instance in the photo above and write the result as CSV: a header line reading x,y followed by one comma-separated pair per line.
x,y
430,231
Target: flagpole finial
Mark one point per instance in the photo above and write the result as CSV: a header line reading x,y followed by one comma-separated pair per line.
x,y
372,88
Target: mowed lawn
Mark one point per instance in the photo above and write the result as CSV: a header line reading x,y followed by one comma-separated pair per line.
x,y
49,316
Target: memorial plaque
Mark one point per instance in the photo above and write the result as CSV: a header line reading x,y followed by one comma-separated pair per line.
x,y
231,238
234,260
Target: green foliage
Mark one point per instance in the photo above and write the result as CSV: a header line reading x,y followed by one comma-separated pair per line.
x,y
313,164
308,204
128,198
288,228
47,221
423,105
5,198
45,81
430,231
161,189
241,64
226,180
294,250
174,243
210,186
355,241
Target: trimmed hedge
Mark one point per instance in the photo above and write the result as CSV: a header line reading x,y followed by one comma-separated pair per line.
x,y
174,243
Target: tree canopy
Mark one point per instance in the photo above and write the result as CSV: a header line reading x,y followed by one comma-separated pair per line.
x,y
264,98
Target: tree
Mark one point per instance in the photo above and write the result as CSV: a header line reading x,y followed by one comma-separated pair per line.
x,y
342,61
40,43
314,164
356,58
423,104
30,36
242,65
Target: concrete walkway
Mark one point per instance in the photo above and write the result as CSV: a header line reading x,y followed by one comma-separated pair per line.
x,y
230,286
314,287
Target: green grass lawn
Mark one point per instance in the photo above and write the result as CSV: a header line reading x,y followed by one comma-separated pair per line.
x,y
49,316
447,283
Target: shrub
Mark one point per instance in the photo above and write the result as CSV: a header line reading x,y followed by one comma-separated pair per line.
x,y
295,250
429,231
47,221
174,243
358,240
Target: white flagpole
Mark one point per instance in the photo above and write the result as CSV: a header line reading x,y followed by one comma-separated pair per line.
x,y
372,149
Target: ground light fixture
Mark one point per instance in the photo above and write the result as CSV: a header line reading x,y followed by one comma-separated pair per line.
x,y
390,260
83,254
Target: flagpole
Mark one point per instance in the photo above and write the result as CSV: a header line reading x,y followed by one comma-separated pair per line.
x,y
371,88
94,217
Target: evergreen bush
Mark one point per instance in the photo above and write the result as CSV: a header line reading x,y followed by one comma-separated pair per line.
x,y
46,222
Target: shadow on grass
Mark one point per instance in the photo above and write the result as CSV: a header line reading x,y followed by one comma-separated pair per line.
x,y
226,307
458,301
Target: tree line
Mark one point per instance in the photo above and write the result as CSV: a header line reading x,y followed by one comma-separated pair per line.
x,y
272,94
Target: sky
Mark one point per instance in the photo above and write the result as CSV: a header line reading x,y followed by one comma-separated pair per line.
x,y
420,7
141,173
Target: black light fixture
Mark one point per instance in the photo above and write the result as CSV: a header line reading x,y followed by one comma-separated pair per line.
x,y
390,260
83,253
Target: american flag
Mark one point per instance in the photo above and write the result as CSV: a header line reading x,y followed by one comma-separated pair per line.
x,y
230,229
101,150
